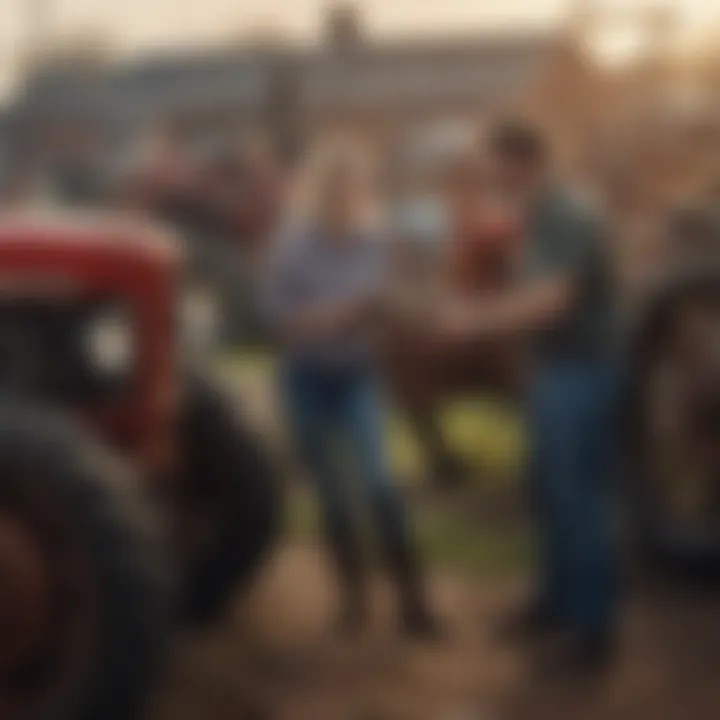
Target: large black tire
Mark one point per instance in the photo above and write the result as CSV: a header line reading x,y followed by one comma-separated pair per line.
x,y
104,572
234,490
659,541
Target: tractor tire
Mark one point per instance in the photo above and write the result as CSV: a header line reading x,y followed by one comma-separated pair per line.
x,y
234,493
658,539
85,609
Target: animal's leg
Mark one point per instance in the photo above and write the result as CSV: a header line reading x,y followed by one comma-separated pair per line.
x,y
446,469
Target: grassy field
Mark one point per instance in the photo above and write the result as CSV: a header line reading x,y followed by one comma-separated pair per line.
x,y
467,532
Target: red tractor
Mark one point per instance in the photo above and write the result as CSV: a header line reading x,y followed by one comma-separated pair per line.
x,y
132,494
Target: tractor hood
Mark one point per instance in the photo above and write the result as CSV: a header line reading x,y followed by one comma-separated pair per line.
x,y
52,250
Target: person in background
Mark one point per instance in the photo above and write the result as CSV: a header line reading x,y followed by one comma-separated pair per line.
x,y
485,230
564,304
325,278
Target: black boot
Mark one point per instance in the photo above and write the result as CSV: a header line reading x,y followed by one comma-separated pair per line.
x,y
351,573
399,553
417,620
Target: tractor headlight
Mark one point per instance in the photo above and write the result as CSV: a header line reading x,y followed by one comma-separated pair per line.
x,y
109,343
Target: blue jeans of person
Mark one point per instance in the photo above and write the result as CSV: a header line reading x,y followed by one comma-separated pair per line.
x,y
337,415
572,418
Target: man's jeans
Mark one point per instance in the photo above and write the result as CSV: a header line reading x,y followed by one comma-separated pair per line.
x,y
572,418
336,416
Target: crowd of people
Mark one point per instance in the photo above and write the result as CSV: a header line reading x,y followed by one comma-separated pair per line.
x,y
529,260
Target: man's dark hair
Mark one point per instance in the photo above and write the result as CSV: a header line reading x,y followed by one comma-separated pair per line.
x,y
518,140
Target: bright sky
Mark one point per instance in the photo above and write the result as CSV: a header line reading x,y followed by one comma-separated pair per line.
x,y
136,25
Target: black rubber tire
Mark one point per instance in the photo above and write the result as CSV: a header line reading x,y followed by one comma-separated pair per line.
x,y
232,481
654,542
89,495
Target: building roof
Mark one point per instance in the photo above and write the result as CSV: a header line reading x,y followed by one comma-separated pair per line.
x,y
365,77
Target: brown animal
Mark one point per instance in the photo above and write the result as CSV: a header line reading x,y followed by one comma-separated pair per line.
x,y
425,370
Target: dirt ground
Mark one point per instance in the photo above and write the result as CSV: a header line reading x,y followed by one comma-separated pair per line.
x,y
276,658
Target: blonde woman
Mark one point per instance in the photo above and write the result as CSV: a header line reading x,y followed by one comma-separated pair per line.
x,y
326,274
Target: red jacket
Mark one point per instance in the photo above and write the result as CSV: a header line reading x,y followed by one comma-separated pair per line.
x,y
484,248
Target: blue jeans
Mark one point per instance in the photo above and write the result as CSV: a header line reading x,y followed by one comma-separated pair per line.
x,y
334,412
572,422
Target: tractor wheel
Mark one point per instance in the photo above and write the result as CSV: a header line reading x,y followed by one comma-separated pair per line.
x,y
82,600
673,427
232,500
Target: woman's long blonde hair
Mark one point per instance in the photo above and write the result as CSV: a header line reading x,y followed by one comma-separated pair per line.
x,y
328,162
